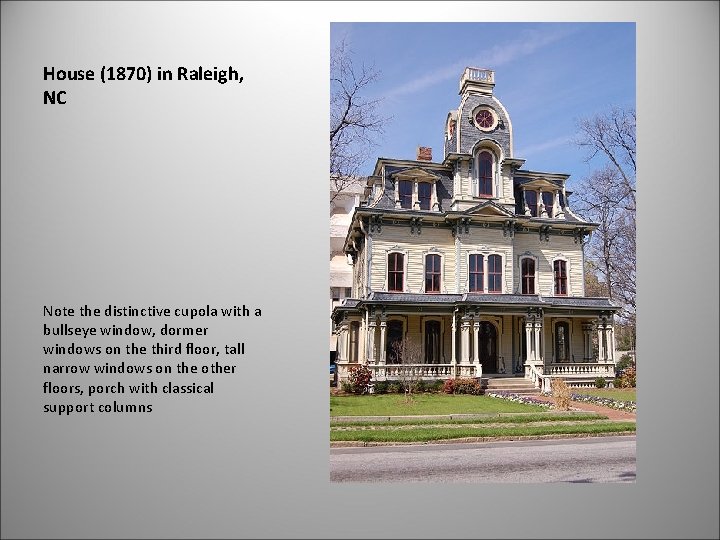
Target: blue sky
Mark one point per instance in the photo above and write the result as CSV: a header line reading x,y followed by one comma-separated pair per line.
x,y
547,75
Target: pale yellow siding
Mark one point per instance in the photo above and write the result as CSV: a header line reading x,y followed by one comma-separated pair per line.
x,y
486,242
545,253
415,248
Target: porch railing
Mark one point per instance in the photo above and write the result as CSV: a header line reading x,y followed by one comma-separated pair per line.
x,y
576,375
425,371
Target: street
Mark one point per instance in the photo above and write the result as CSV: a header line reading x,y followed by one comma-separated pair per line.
x,y
581,460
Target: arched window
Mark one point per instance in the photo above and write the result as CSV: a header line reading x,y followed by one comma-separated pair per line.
x,y
527,274
560,277
476,270
432,342
494,274
396,272
485,173
432,273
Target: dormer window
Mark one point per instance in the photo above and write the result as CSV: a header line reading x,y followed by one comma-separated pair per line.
x,y
405,193
424,195
531,201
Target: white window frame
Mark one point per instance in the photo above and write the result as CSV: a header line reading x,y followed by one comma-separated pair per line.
x,y
405,255
536,280
567,274
486,256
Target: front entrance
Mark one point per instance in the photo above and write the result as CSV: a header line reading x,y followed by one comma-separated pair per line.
x,y
488,347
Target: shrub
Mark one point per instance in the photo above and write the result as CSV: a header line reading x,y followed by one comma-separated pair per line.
x,y
468,386
381,387
600,382
449,386
618,382
561,394
435,386
358,379
395,387
629,378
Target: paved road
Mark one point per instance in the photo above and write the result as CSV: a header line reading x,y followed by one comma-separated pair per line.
x,y
594,459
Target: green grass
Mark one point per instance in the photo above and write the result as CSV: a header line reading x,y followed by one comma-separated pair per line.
x,y
490,419
444,433
395,405
618,394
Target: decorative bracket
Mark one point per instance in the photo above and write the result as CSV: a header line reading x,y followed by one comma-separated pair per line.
x,y
415,225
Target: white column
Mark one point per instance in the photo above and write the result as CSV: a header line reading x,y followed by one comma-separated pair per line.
x,y
529,338
587,341
465,342
476,338
538,343
371,341
383,331
601,342
453,355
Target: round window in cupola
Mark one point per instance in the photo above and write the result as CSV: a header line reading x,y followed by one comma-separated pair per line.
x,y
485,118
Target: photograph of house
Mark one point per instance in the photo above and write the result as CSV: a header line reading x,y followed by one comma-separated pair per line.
x,y
471,263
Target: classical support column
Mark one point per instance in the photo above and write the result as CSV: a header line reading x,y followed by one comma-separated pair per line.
x,y
476,342
529,339
362,341
453,341
601,341
465,341
587,341
371,337
383,332
611,329
538,326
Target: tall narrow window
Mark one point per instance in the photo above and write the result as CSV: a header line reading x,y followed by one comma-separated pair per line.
x,y
395,342
354,335
405,193
424,195
528,276
560,274
531,200
396,271
476,273
547,201
432,342
562,342
495,274
432,273
485,163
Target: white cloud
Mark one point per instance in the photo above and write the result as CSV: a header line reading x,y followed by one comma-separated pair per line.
x,y
542,147
492,58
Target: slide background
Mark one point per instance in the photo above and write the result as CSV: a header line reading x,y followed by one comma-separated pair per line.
x,y
195,193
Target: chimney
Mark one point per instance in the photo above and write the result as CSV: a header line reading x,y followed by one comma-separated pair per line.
x,y
424,153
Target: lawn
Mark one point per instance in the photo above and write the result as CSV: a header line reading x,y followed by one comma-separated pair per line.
x,y
395,405
618,394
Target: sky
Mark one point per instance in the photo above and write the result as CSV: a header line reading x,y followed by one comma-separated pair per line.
x,y
547,75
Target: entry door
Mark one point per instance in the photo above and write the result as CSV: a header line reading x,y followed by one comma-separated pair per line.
x,y
488,347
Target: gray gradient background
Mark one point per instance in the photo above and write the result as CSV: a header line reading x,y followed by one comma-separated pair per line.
x,y
189,193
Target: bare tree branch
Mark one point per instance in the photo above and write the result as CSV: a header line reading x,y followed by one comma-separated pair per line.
x,y
355,123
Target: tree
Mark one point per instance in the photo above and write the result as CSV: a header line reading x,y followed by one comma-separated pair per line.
x,y
409,355
607,197
355,123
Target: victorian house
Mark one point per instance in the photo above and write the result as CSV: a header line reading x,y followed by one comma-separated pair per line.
x,y
471,266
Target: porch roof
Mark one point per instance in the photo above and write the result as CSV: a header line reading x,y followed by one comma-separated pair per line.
x,y
514,301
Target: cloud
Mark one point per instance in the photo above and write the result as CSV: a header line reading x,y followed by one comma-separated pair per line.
x,y
542,147
496,56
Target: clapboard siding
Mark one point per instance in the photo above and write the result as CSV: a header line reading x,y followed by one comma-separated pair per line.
x,y
415,248
486,242
545,253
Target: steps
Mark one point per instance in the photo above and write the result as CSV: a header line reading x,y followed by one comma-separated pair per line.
x,y
515,385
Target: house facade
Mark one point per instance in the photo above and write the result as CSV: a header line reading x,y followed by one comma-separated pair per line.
x,y
471,266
